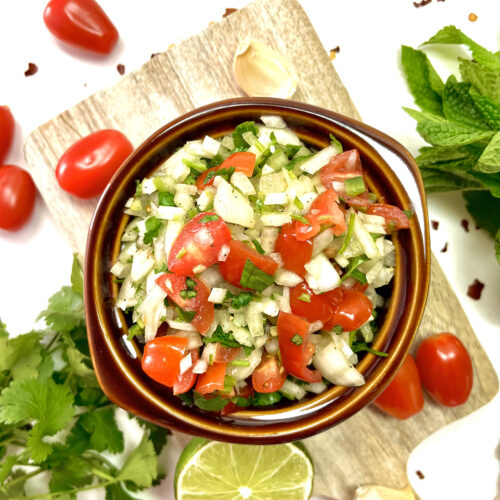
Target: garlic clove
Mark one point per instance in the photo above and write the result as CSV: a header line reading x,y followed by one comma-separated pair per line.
x,y
376,492
261,71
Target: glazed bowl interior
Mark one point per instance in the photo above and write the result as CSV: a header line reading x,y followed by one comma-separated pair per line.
x,y
390,173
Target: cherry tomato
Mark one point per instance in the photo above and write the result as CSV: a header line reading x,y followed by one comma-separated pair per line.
x,y
87,166
314,307
81,23
198,244
232,268
403,397
178,289
296,351
212,380
162,357
269,376
445,368
17,197
395,218
294,253
242,162
353,311
225,354
6,132
341,167
185,382
325,210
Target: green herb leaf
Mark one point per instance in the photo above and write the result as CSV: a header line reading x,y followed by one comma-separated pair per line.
x,y
101,426
209,218
21,356
226,173
297,339
153,225
305,297
213,404
215,161
183,315
166,199
363,346
65,310
254,278
266,399
359,276
489,161
336,144
485,209
239,142
354,186
258,247
140,467
484,79
77,276
291,150
226,339
301,219
348,236
240,300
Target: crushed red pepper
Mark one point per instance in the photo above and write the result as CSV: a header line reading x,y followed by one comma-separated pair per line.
x,y
445,248
32,69
229,11
465,224
474,291
434,224
120,68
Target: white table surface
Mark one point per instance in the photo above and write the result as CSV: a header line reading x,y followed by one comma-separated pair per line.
x,y
459,462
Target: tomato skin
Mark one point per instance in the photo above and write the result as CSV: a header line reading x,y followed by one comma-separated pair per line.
x,y
341,167
445,368
295,358
173,284
185,382
212,380
395,218
269,376
353,311
162,357
403,397
294,253
81,23
17,197
318,309
243,161
198,250
87,166
225,354
232,268
6,132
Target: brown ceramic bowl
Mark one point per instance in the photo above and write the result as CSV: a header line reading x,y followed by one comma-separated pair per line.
x,y
391,174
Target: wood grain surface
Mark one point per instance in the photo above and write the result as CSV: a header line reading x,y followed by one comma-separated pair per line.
x,y
369,447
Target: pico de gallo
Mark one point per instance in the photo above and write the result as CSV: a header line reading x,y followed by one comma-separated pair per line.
x,y
250,266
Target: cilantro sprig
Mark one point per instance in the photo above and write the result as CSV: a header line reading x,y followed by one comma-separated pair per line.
x,y
48,387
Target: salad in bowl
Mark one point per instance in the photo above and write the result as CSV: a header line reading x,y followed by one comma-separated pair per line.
x,y
254,267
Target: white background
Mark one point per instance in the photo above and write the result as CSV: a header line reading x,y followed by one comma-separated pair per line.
x,y
458,462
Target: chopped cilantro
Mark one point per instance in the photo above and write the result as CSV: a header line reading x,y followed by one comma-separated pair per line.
x,y
188,294
184,316
409,213
258,247
337,329
249,126
226,340
240,300
301,219
226,173
138,188
134,330
336,143
297,339
213,404
305,297
153,225
254,278
363,346
354,186
166,199
266,399
190,283
209,218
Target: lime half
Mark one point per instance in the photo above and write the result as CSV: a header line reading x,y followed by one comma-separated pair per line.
x,y
223,471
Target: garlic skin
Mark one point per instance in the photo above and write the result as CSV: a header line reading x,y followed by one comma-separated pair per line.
x,y
376,492
261,71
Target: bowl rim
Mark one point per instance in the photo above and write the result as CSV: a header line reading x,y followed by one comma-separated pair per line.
x,y
291,427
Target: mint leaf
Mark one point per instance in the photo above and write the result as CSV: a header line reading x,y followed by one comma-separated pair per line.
x,y
254,278
239,142
484,79
489,161
485,209
103,431
424,83
436,181
430,155
488,181
65,310
488,109
77,275
452,35
140,467
51,405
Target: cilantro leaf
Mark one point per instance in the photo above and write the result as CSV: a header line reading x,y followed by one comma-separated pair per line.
x,y
166,199
239,142
226,173
226,339
266,399
240,300
72,472
254,278
103,431
212,404
140,467
65,310
497,246
77,275
118,492
158,435
153,226
78,367
21,355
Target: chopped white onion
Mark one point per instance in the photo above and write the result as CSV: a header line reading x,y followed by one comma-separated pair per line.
x,y
148,186
273,121
199,269
243,183
169,213
275,199
223,252
181,325
210,147
276,256
201,366
194,338
315,326
186,189
322,241
186,363
285,277
275,219
319,160
272,346
217,295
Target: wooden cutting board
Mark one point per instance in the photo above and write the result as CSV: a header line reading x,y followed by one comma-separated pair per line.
x,y
369,447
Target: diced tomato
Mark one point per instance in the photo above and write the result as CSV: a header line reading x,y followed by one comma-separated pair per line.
x,y
162,357
352,284
232,268
198,244
395,218
334,298
353,311
225,354
212,380
361,201
242,162
314,307
341,167
185,382
294,253
325,210
174,285
296,350
269,376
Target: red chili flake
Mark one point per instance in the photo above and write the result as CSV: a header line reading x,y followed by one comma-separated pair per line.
x,y
334,52
420,474
32,69
474,291
435,224
445,248
465,224
423,3
228,12
120,68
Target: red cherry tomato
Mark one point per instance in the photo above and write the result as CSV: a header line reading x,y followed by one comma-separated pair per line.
x,y
198,243
212,380
185,382
269,376
17,197
445,368
242,162
232,268
6,132
296,351
395,218
87,166
162,357
403,397
175,285
353,311
341,167
294,253
305,303
325,210
81,23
